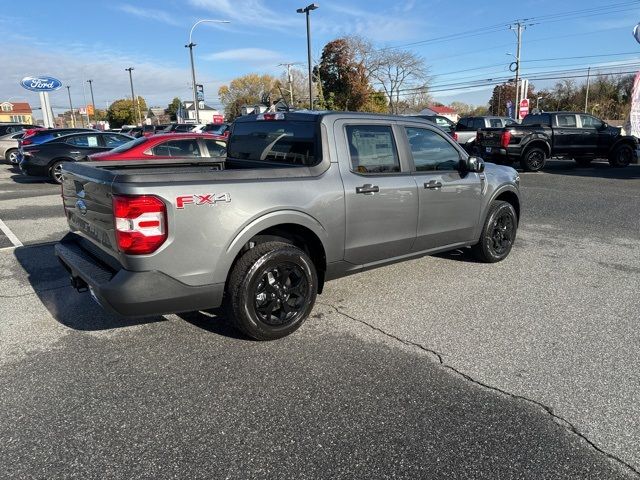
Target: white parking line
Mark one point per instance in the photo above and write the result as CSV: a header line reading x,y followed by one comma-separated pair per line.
x,y
10,235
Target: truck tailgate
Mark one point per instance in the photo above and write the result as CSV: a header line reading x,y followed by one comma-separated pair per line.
x,y
489,137
88,207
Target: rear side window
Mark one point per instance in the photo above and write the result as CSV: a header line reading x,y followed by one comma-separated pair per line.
x,y
495,123
463,124
129,145
431,151
566,120
372,149
112,141
178,148
216,147
83,141
477,123
537,119
279,141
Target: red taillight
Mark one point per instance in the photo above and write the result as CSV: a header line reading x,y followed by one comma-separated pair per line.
x,y
455,136
505,138
270,116
25,141
140,223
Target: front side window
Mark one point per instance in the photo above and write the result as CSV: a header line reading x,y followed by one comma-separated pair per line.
x,y
113,141
431,151
464,123
216,147
590,122
566,120
372,149
178,148
495,123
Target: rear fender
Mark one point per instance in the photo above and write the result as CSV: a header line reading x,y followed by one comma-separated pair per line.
x,y
260,224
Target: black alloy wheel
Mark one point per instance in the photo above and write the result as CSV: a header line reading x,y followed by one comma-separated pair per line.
x,y
271,290
622,156
534,159
281,294
498,233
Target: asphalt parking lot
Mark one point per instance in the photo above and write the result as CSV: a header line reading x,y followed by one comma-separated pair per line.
x,y
434,368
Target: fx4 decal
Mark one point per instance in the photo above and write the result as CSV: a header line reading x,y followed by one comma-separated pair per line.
x,y
202,199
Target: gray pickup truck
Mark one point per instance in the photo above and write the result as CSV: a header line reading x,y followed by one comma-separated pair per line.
x,y
301,198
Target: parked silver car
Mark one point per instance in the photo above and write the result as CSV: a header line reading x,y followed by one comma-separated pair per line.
x,y
9,146
467,128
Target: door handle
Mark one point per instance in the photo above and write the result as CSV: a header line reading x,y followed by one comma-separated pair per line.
x,y
433,185
74,153
368,189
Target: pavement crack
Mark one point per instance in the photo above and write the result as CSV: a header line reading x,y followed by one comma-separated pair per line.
x,y
440,359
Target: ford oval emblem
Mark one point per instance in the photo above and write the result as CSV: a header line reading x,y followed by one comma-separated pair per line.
x,y
41,83
82,207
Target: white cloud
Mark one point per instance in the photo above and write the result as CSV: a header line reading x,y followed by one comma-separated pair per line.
x,y
150,14
260,55
253,13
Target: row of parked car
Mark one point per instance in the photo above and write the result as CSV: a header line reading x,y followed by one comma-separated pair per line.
x,y
41,152
221,129
540,136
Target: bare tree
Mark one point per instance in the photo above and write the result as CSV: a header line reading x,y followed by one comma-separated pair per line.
x,y
398,72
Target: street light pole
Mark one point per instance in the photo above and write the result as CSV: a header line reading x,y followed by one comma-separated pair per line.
x,y
190,46
93,102
306,11
73,117
133,96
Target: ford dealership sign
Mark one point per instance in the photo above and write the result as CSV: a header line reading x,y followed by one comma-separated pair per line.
x,y
41,84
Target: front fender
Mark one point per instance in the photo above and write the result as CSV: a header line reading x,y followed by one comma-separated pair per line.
x,y
259,224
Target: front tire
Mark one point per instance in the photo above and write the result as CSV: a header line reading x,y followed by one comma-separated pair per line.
x,y
498,233
11,156
533,159
621,156
271,290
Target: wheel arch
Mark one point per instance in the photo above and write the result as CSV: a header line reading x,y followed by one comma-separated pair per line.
x,y
300,229
537,142
511,197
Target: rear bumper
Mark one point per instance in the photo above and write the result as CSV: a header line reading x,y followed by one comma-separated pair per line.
x,y
497,154
130,293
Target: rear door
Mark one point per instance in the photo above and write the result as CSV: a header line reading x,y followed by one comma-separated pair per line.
x,y
381,198
81,146
449,200
566,134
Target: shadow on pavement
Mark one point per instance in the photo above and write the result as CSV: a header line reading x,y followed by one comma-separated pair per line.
x,y
50,282
20,178
213,321
458,255
597,169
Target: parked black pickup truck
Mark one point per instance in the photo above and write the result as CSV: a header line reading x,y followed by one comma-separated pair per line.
x,y
579,136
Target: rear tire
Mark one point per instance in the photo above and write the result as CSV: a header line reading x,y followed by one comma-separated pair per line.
x,y
271,290
55,172
498,233
621,156
533,159
11,156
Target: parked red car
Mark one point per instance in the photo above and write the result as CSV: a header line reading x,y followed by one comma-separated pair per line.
x,y
167,145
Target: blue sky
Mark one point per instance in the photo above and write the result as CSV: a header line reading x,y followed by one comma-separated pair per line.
x,y
77,40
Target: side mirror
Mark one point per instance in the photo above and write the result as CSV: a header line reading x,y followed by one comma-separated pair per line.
x,y
473,164
604,126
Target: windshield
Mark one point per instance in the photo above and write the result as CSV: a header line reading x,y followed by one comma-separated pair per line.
x,y
129,145
278,141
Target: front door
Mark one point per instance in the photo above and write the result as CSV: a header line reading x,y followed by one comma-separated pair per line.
x,y
449,200
381,197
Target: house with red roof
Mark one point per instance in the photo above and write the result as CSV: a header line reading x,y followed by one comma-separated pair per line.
x,y
16,112
445,111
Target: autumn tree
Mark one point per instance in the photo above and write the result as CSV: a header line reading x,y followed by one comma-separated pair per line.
x,y
504,93
125,112
249,89
343,76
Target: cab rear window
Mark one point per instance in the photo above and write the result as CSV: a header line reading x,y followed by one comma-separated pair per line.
x,y
275,141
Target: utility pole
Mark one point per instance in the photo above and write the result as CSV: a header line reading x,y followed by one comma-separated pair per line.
x,y
518,27
289,79
586,96
73,117
93,102
133,96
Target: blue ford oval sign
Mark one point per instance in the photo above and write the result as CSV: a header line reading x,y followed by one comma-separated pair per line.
x,y
41,84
